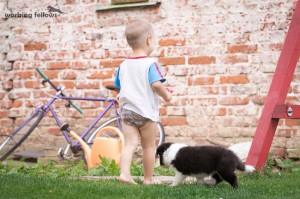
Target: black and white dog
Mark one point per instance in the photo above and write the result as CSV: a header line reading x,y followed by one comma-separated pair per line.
x,y
201,162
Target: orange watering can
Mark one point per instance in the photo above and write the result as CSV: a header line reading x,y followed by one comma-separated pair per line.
x,y
107,147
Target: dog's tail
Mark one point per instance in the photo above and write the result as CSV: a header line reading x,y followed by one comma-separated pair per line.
x,y
247,168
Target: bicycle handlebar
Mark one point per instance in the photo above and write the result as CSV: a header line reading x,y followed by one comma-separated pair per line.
x,y
47,79
55,88
42,74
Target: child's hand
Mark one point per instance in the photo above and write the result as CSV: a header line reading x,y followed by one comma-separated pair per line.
x,y
158,88
169,90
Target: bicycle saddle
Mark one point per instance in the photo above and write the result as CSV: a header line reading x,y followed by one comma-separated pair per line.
x,y
112,88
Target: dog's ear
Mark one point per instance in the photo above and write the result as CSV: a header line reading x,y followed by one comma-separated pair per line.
x,y
162,148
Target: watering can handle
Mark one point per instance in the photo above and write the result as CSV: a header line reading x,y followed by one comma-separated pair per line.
x,y
120,134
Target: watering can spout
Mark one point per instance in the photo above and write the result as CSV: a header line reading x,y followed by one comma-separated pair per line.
x,y
85,147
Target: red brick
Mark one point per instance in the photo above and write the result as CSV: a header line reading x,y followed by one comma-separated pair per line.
x,y
18,31
54,131
162,111
35,46
81,65
212,90
233,100
278,152
291,100
18,103
178,101
204,101
201,81
100,54
37,101
284,133
276,47
17,84
60,55
2,94
174,121
171,42
42,93
111,63
8,84
51,74
202,60
237,79
3,114
67,84
23,74
91,93
32,84
59,65
222,112
106,83
87,85
171,60
233,59
259,100
243,48
5,122
18,94
83,46
6,131
292,122
217,90
69,75
7,104
161,52
101,75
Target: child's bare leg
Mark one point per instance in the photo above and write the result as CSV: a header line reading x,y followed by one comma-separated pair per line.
x,y
148,136
131,135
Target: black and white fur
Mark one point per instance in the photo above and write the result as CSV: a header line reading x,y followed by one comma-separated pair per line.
x,y
201,162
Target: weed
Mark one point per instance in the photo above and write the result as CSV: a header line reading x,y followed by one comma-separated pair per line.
x,y
108,167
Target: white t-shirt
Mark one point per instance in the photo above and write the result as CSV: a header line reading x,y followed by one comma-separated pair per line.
x,y
134,78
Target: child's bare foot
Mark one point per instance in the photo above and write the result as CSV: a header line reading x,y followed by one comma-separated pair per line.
x,y
151,182
125,180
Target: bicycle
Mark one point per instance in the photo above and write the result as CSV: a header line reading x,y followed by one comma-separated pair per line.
x,y
19,135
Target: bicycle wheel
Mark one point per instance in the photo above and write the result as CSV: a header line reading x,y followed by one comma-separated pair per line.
x,y
160,138
14,140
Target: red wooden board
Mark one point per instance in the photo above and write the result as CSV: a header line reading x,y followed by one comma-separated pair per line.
x,y
277,94
287,111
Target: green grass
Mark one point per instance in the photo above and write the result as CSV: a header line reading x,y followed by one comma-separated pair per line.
x,y
50,181
283,185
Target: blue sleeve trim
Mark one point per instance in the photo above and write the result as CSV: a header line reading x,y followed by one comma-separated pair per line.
x,y
117,79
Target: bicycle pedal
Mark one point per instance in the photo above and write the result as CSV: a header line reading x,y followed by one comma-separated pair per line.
x,y
60,153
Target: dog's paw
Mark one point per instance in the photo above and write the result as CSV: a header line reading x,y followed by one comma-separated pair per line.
x,y
173,184
210,182
249,168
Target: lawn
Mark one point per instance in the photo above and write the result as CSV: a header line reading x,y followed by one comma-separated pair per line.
x,y
283,185
38,182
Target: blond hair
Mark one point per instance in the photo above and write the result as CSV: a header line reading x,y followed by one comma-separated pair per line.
x,y
136,33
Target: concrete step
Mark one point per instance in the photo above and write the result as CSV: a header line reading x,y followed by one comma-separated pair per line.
x,y
27,156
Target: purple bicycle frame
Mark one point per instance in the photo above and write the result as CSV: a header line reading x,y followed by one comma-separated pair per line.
x,y
46,108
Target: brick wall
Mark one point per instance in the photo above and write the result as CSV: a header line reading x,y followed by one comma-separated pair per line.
x,y
219,58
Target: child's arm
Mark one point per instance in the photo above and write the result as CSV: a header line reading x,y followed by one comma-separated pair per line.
x,y
159,88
